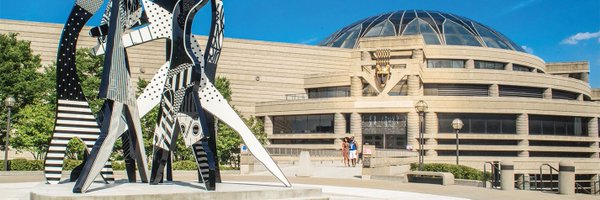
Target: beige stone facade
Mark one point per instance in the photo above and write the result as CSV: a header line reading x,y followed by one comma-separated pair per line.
x,y
274,80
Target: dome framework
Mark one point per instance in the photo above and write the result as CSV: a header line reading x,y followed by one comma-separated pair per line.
x,y
437,28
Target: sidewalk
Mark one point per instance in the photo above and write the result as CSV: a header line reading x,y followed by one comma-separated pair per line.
x,y
336,181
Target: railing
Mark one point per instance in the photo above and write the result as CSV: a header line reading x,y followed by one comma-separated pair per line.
x,y
283,151
365,68
581,188
539,183
595,185
495,176
298,96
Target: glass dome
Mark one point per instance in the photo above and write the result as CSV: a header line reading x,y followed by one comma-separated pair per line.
x,y
437,28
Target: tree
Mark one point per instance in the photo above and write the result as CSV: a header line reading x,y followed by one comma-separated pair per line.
x,y
33,132
35,92
18,76
228,141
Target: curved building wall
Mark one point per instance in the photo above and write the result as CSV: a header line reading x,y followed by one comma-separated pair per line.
x,y
311,96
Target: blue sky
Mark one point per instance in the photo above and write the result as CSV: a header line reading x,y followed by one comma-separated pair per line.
x,y
554,30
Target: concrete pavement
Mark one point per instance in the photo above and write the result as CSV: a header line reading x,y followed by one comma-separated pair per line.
x,y
336,182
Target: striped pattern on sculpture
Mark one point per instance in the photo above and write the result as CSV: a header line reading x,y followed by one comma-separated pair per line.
x,y
74,119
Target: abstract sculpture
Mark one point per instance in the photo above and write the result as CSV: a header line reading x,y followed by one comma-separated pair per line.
x,y
183,87
74,119
117,90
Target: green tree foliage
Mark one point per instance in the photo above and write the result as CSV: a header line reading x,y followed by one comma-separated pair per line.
x,y
228,141
34,87
33,130
18,76
18,72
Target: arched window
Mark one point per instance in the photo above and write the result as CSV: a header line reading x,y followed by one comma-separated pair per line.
x,y
384,28
419,26
456,34
490,39
348,39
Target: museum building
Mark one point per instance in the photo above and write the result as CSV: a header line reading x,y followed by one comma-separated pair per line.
x,y
366,79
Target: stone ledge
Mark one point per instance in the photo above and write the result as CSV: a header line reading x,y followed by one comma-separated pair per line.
x,y
173,190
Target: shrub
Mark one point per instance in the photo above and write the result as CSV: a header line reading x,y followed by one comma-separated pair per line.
x,y
459,171
185,165
70,164
118,165
24,165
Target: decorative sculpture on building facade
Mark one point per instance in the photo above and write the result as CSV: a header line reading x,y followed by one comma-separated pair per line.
x,y
382,67
183,83
74,119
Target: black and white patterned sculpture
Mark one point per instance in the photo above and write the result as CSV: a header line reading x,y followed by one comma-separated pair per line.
x,y
119,94
188,92
74,119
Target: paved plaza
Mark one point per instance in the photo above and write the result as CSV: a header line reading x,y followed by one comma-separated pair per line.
x,y
336,182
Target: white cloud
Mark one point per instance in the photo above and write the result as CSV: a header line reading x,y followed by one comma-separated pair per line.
x,y
574,39
309,41
527,49
518,6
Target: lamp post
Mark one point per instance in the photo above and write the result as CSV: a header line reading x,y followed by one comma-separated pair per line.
x,y
421,108
457,124
9,102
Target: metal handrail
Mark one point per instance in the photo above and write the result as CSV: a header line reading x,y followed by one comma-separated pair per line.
x,y
485,171
538,186
579,186
595,188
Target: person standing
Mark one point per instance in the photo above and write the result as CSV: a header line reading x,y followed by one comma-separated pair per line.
x,y
345,151
352,154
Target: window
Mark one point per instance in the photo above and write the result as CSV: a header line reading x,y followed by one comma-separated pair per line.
x,y
445,63
479,123
368,90
522,68
384,130
302,141
558,125
489,65
348,39
400,89
490,39
328,92
560,154
455,90
520,91
384,28
320,123
479,153
419,26
561,94
478,142
456,34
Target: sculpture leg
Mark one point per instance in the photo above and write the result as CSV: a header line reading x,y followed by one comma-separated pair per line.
x,y
211,182
161,157
216,105
103,147
212,130
137,141
127,157
201,161
170,167
74,119
54,160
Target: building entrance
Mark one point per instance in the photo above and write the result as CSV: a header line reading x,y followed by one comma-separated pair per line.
x,y
384,130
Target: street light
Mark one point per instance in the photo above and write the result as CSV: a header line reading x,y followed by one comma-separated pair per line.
x,y
457,124
9,102
421,108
